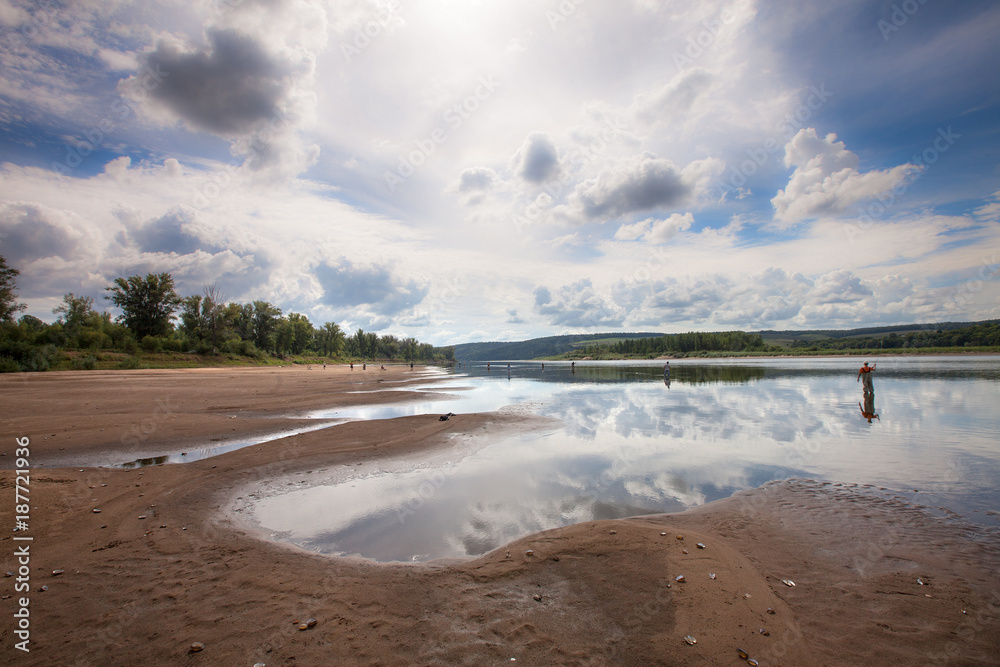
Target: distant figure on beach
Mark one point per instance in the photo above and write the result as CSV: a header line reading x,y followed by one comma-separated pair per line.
x,y
865,375
364,365
666,372
572,367
352,365
411,365
487,367
383,366
868,410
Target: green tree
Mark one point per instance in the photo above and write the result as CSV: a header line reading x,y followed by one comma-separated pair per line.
x,y
75,313
330,339
147,303
8,298
265,321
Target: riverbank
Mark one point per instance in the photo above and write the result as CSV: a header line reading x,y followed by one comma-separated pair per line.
x,y
169,561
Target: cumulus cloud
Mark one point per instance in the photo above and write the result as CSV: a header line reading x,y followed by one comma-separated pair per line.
x,y
375,286
226,87
641,184
33,231
577,305
177,231
536,161
826,180
654,230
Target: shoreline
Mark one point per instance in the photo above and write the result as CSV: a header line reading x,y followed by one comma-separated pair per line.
x,y
142,590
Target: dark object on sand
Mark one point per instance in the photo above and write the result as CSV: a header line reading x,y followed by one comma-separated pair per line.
x,y
446,417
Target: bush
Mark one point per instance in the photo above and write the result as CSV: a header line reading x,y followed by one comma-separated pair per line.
x,y
203,347
152,344
8,365
131,363
86,363
248,349
129,346
171,345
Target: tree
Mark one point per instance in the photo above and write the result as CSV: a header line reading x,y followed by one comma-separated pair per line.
x,y
330,339
265,324
147,303
75,313
8,298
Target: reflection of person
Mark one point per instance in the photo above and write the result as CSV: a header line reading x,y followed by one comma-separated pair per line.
x,y
868,411
572,367
666,371
865,375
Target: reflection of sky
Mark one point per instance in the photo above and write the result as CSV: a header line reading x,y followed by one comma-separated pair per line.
x,y
630,445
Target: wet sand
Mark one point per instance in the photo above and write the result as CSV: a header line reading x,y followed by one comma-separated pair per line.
x,y
169,560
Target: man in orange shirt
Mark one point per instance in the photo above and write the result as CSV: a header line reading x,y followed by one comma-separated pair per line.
x,y
865,375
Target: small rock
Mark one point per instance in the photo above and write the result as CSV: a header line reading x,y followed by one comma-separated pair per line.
x,y
44,588
788,582
303,626
691,641
529,552
142,516
536,597
614,532
684,551
764,632
56,573
700,545
679,578
711,575
770,611
311,623
743,654
97,511
197,646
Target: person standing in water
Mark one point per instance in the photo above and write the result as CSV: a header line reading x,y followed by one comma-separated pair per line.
x,y
865,376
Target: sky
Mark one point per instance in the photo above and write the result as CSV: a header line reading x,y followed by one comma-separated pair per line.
x,y
477,170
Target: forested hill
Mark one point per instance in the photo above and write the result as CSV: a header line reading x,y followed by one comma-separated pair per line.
x,y
549,346
900,337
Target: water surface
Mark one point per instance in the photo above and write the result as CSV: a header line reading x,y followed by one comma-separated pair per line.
x,y
631,444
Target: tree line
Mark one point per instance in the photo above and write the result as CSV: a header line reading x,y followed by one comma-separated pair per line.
x,y
154,318
678,344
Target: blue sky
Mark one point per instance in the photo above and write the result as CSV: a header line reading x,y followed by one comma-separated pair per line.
x,y
461,171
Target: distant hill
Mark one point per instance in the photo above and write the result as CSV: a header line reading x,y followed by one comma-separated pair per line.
x,y
814,335
551,346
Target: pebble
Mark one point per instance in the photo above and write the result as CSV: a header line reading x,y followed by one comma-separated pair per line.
x,y
752,662
684,551
97,511
142,516
44,588
311,623
529,552
743,654
711,575
764,632
770,611
56,573
679,578
197,646
788,582
690,640
614,532
700,545
537,597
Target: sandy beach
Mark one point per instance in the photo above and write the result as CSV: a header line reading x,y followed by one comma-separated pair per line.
x,y
170,559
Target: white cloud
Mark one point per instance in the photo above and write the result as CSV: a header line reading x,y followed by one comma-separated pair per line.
x,y
654,230
826,180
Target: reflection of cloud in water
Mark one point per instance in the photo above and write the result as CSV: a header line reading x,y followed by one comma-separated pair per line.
x,y
628,448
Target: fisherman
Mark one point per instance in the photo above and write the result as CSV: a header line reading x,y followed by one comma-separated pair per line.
x,y
865,376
